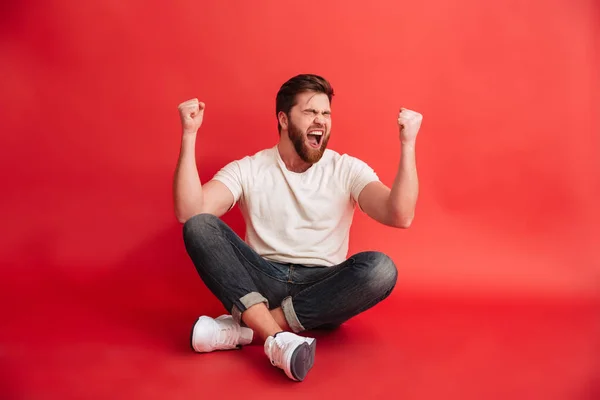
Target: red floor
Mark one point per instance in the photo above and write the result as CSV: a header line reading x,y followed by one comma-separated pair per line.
x,y
57,346
83,330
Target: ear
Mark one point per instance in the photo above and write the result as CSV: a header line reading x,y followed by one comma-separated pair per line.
x,y
283,120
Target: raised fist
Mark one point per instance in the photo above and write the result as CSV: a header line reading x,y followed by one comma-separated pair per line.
x,y
409,123
191,113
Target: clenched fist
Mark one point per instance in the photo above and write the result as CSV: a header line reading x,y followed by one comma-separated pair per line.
x,y
409,123
191,113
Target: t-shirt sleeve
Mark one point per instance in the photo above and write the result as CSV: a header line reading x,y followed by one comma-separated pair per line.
x,y
231,176
360,175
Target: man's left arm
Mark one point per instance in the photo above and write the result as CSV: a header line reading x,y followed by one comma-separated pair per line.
x,y
396,206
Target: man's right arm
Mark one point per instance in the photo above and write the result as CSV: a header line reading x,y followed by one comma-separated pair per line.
x,y
189,195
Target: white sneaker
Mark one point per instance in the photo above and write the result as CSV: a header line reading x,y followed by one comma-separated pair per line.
x,y
294,354
222,333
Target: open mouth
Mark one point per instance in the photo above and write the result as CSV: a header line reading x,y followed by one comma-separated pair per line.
x,y
315,138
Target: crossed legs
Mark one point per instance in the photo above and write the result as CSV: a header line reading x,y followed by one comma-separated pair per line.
x,y
259,295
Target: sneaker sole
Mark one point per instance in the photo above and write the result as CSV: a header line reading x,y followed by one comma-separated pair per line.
x,y
303,360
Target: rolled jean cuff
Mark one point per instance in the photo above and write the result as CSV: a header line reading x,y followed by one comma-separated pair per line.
x,y
245,303
290,315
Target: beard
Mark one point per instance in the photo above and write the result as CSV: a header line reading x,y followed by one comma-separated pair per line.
x,y
306,153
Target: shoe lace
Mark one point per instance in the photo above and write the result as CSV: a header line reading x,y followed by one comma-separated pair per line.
x,y
228,335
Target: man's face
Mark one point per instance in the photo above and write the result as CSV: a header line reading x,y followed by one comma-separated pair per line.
x,y
309,125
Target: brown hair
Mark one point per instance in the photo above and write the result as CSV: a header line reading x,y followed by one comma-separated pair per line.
x,y
286,97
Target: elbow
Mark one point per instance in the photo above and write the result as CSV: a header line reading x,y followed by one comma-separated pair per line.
x,y
183,215
404,224
402,221
185,207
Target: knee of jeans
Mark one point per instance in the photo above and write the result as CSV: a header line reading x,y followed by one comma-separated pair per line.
x,y
382,275
200,224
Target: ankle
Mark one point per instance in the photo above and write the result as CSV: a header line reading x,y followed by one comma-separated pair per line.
x,y
259,319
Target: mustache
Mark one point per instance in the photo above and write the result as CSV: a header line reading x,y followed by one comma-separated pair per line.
x,y
317,127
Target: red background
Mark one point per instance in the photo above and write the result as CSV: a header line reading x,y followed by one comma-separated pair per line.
x,y
507,158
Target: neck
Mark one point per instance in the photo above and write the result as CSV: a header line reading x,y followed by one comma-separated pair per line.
x,y
290,157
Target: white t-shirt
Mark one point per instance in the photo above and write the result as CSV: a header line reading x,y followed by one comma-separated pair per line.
x,y
299,218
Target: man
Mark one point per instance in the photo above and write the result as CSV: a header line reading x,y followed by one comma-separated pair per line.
x,y
297,198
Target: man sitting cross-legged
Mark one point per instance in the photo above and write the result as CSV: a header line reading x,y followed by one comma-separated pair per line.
x,y
291,273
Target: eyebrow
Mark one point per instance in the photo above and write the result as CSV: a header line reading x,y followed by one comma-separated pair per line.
x,y
313,110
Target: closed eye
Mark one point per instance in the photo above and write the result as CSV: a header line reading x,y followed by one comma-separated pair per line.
x,y
315,112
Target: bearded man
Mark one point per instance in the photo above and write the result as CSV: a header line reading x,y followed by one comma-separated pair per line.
x,y
291,274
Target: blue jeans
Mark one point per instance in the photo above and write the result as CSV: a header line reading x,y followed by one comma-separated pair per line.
x,y
310,297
